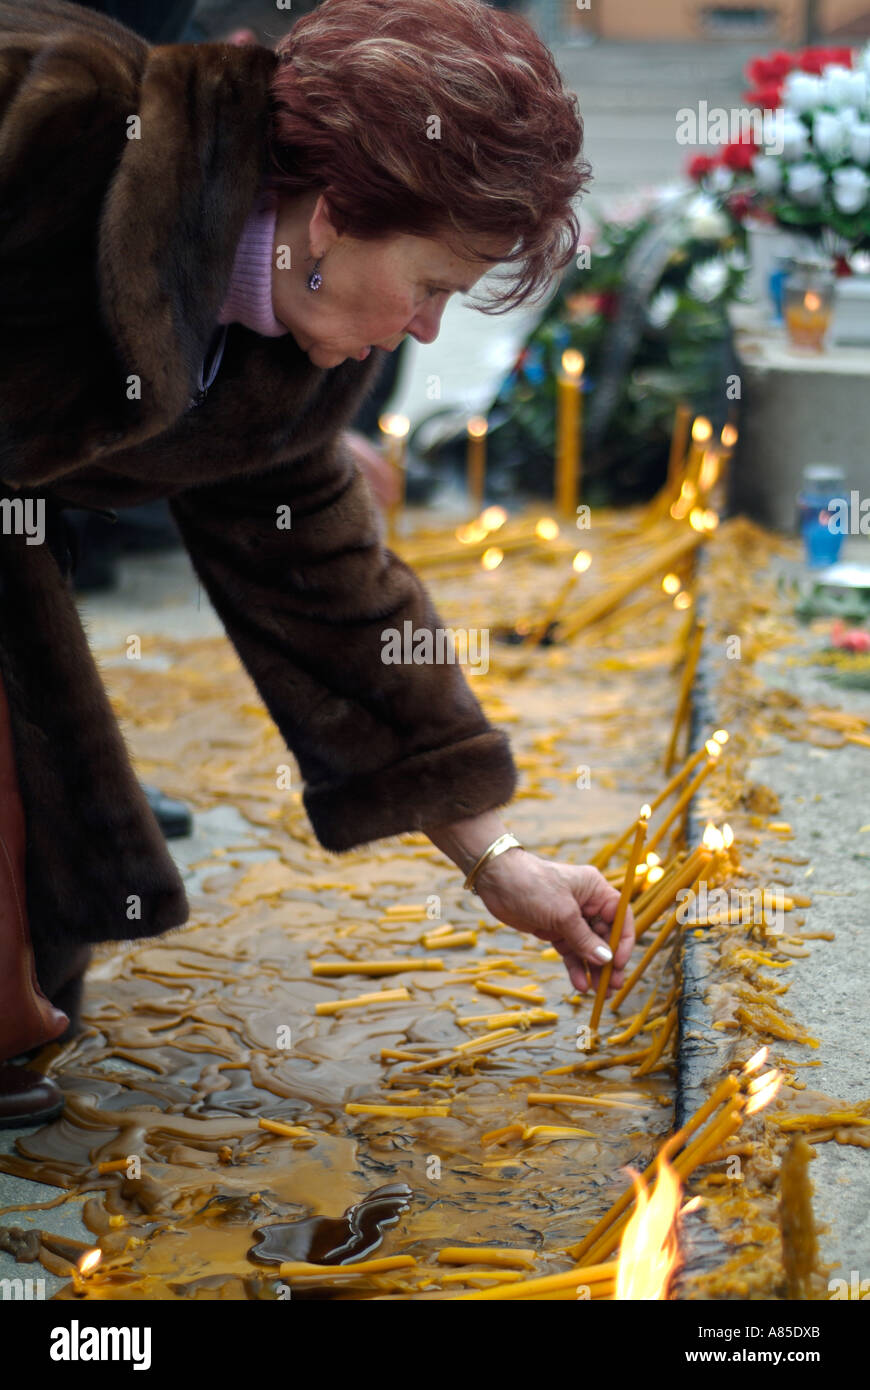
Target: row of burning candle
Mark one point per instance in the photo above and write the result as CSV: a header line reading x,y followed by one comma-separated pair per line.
x,y
643,1226
694,463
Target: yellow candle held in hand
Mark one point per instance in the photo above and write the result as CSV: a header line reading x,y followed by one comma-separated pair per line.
x,y
622,908
394,433
569,431
476,461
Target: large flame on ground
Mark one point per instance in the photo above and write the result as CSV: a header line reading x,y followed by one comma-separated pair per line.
x,y
648,1254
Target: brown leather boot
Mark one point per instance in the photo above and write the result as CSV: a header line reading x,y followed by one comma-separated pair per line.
x,y
27,1018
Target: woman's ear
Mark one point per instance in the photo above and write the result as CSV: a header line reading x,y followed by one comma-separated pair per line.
x,y
321,232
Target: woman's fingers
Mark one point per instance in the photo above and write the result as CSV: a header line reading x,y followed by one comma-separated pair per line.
x,y
598,901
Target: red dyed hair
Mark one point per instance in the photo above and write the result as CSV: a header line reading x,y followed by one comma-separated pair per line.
x,y
363,86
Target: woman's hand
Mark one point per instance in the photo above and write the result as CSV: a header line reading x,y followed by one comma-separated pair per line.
x,y
378,471
571,906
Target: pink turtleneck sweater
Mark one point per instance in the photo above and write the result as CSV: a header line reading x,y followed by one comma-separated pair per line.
x,y
249,298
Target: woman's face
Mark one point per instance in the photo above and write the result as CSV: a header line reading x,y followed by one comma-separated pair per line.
x,y
374,293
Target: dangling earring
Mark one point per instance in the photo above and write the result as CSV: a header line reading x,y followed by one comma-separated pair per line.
x,y
315,279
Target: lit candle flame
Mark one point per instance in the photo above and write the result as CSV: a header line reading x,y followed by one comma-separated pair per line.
x,y
395,425
701,429
757,1060
89,1261
581,562
472,533
573,362
645,811
761,1098
648,1251
492,558
655,874
812,302
671,584
713,838
710,519
683,600
728,436
721,735
696,519
692,1205
713,747
727,836
547,529
477,426
759,1083
493,518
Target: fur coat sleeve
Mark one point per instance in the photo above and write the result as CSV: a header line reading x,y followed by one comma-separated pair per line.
x,y
295,567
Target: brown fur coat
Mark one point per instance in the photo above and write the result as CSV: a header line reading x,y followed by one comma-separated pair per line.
x,y
115,257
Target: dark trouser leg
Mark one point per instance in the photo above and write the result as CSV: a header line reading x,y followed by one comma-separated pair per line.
x,y
27,1018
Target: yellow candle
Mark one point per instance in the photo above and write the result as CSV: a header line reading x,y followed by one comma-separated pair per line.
x,y
619,917
579,565
548,1283
702,432
679,439
651,950
696,863
685,693
331,969
476,461
569,426
721,1128
686,796
394,430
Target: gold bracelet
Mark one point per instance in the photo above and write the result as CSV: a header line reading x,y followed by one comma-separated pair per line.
x,y
497,847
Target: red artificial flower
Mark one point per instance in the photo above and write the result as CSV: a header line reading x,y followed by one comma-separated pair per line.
x,y
740,205
781,64
768,97
739,154
849,639
700,165
815,59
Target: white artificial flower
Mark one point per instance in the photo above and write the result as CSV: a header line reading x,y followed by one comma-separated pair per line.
x,y
737,260
802,91
707,280
805,183
859,142
795,140
662,307
705,220
829,134
720,179
842,86
768,173
850,188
